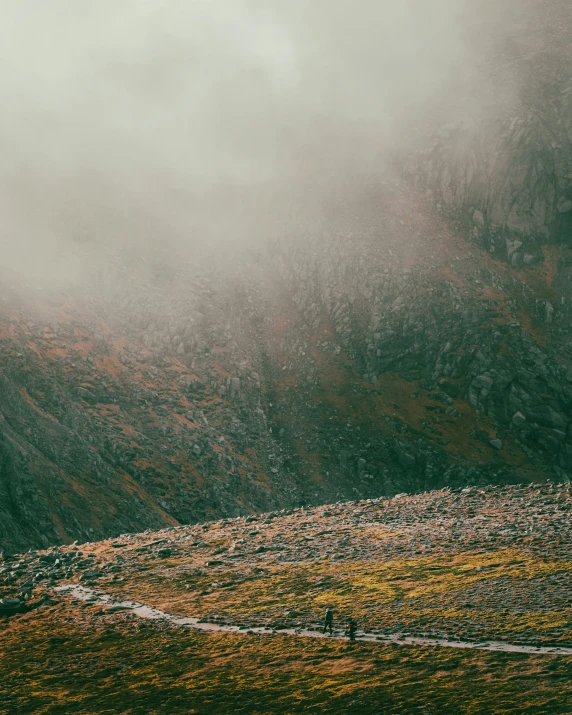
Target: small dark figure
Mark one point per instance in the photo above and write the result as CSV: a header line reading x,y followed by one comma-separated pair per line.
x,y
351,628
329,620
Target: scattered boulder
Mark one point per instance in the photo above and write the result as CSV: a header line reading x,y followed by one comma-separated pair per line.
x,y
11,606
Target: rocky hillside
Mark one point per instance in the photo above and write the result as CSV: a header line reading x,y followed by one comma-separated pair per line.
x,y
506,177
403,358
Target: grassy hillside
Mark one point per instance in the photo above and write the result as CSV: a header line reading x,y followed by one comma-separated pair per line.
x,y
78,661
476,565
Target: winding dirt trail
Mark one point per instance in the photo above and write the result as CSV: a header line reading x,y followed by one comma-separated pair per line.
x,y
97,598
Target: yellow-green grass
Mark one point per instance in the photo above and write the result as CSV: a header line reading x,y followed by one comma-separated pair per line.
x,y
465,595
65,659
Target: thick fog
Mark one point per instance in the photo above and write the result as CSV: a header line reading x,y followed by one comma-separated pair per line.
x,y
141,124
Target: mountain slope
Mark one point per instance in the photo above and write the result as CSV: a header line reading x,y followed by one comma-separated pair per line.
x,y
402,360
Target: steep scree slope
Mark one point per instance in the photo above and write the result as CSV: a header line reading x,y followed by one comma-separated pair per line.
x,y
402,358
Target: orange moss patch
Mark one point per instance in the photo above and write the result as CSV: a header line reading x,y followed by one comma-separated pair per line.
x,y
28,399
109,364
218,367
54,352
184,421
119,344
35,349
128,430
176,366
83,348
107,408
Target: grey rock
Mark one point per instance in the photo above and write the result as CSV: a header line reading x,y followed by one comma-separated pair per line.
x,y
483,381
512,247
548,312
547,416
563,205
11,606
50,558
405,459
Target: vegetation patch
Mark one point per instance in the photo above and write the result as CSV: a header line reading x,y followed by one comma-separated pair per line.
x,y
84,663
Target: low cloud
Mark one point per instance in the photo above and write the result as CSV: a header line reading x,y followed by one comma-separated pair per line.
x,y
139,126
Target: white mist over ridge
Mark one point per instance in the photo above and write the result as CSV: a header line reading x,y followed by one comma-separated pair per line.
x,y
148,125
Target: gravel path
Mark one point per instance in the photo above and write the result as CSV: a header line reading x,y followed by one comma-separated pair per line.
x,y
97,598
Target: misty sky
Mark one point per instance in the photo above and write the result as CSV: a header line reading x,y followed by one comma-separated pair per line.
x,y
141,123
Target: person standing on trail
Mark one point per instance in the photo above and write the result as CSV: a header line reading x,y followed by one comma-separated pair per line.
x,y
351,628
329,620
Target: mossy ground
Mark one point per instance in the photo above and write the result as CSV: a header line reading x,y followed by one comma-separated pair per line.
x,y
65,659
470,595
